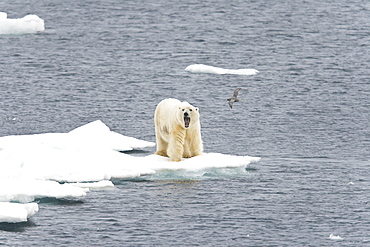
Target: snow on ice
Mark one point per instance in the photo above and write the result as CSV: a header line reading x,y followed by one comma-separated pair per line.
x,y
67,165
201,68
27,24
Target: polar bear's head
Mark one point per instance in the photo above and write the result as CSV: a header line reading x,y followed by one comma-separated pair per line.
x,y
188,115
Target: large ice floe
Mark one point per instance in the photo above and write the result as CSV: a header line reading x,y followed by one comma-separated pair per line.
x,y
201,68
67,165
27,24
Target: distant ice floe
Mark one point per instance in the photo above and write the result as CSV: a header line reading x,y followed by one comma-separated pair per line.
x,y
68,165
27,24
201,68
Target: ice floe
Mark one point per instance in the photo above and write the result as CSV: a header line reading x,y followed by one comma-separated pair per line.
x,y
27,24
95,135
88,153
201,162
201,68
17,212
25,189
68,165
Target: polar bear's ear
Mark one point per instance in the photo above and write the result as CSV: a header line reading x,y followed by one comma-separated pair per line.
x,y
196,108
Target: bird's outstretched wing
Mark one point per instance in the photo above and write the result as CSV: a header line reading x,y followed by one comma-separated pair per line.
x,y
236,92
231,101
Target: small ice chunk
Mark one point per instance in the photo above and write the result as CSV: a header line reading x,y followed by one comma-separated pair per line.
x,y
335,237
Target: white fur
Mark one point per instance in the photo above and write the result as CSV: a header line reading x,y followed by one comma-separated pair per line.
x,y
174,140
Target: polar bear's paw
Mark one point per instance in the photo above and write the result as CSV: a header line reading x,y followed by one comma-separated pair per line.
x,y
161,153
175,159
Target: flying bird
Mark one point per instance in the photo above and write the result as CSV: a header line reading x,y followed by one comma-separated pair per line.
x,y
234,98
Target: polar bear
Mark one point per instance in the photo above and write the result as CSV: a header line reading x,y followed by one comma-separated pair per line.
x,y
177,130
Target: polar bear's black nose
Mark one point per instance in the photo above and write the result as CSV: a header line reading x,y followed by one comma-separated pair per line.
x,y
186,114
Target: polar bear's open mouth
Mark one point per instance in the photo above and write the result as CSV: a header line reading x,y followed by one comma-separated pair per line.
x,y
187,121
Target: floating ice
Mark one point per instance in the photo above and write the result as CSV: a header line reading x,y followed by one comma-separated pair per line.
x,y
3,16
95,135
95,185
335,237
17,212
201,162
201,68
27,24
25,189
99,135
87,153
67,165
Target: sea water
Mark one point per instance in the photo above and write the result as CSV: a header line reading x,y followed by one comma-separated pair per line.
x,y
306,114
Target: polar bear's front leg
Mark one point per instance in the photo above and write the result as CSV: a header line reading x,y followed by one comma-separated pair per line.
x,y
186,153
196,147
161,147
176,145
161,143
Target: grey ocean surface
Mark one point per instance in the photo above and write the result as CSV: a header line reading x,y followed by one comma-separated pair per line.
x,y
306,114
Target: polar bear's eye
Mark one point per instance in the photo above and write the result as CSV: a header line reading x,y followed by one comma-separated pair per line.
x,y
191,109
183,109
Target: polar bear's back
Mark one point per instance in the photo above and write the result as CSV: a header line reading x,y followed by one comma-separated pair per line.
x,y
167,107
168,104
